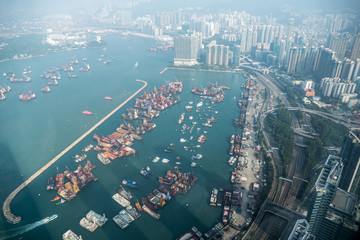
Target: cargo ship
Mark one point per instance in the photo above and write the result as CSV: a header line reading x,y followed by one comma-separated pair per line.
x,y
193,234
127,195
213,197
214,230
103,159
132,212
27,97
120,200
151,212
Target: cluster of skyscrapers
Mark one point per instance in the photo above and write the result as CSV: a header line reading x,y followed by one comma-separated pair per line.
x,y
333,213
337,88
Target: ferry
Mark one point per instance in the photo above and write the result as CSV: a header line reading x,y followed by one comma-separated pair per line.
x,y
52,217
87,112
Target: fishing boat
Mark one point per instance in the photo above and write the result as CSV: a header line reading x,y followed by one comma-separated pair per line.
x,y
197,156
87,112
2,97
61,202
53,83
46,89
130,184
27,97
85,69
55,199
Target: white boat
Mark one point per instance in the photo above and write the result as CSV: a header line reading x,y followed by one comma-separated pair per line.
x,y
165,160
183,140
193,164
199,104
156,159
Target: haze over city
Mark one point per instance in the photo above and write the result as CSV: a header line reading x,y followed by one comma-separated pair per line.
x,y
155,119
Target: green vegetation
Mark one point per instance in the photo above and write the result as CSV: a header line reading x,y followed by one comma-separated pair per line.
x,y
279,125
315,152
291,96
330,133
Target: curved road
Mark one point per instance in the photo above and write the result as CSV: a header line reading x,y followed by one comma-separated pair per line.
x,y
6,206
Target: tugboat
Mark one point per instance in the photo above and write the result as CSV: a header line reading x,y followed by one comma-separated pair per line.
x,y
138,206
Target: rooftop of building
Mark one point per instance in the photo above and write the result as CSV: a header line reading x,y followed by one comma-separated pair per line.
x,y
331,172
344,202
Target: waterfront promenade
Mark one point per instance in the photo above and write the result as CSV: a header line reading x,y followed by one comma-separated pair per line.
x,y
6,206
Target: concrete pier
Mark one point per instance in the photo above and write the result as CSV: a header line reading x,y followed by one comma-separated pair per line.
x,y
6,206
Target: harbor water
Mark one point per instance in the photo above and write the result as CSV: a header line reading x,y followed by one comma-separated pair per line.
x,y
34,132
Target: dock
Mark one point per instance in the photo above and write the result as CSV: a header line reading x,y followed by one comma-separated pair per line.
x,y
6,206
163,70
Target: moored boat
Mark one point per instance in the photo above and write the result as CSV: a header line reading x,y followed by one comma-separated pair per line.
x,y
130,184
46,89
27,97
87,112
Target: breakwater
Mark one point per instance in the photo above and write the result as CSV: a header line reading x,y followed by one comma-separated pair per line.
x,y
6,206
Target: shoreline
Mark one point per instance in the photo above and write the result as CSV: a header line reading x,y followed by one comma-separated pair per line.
x,y
206,70
6,205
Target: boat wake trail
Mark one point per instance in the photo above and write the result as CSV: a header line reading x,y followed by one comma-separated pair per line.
x,y
21,230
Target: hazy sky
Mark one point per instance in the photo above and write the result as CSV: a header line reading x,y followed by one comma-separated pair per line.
x,y
10,9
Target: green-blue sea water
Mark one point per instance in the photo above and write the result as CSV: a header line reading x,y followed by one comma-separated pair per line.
x,y
32,133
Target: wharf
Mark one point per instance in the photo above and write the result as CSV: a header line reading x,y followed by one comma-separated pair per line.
x,y
164,70
6,206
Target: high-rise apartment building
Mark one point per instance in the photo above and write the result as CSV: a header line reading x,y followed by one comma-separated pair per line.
x,y
355,50
187,49
338,43
350,154
326,186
